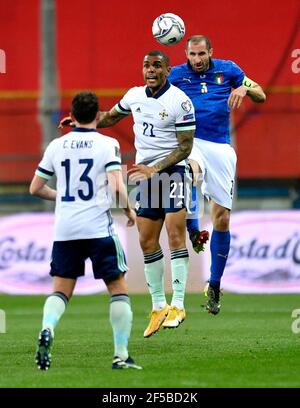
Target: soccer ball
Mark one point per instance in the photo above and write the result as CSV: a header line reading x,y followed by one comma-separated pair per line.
x,y
168,29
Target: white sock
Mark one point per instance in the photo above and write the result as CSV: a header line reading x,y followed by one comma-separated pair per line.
x,y
121,321
54,308
154,273
179,269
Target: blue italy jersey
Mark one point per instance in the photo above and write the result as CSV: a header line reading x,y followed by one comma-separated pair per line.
x,y
209,93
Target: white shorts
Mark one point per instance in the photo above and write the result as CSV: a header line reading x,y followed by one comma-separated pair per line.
x,y
218,163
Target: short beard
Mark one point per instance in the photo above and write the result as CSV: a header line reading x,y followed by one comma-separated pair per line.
x,y
198,72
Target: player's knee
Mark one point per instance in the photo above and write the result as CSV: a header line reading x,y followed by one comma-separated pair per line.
x,y
148,244
222,221
117,285
176,239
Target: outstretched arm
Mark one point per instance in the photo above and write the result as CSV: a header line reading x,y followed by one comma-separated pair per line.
x,y
106,119
249,88
110,118
256,94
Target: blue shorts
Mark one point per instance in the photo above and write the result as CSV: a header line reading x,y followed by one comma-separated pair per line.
x,y
106,254
166,192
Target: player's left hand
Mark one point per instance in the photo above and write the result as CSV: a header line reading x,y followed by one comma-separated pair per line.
x,y
66,121
130,214
140,172
236,97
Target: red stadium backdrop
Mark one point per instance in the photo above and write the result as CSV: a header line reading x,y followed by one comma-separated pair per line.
x,y
100,46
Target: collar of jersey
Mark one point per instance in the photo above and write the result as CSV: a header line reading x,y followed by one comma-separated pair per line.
x,y
160,92
79,129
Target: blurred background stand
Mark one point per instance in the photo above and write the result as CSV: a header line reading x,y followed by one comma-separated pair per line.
x,y
49,96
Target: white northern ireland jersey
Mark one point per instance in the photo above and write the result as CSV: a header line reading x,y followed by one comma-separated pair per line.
x,y
80,160
157,119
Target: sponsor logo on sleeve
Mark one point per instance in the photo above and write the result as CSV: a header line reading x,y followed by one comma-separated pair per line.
x,y
190,116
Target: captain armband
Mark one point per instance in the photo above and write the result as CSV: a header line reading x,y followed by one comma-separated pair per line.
x,y
248,82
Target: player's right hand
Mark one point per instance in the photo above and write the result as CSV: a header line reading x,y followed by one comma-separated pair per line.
x,y
66,121
140,172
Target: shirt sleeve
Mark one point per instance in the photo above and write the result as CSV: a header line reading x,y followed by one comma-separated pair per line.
x,y
124,105
237,75
45,169
114,157
185,114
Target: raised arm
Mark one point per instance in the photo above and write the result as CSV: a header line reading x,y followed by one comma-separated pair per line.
x,y
110,118
249,88
106,119
255,92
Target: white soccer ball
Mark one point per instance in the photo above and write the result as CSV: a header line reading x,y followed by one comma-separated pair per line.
x,y
168,29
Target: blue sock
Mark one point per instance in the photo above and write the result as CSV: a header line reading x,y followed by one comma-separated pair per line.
x,y
219,248
193,223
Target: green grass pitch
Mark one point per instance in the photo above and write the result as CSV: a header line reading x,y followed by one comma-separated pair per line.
x,y
249,344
